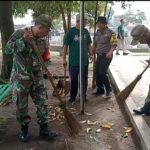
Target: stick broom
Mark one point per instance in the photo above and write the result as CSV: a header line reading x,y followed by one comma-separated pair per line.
x,y
73,125
122,96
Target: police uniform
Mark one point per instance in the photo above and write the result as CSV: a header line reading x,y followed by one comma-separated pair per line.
x,y
103,42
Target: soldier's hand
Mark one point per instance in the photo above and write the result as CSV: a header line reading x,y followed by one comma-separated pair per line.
x,y
47,72
27,36
148,61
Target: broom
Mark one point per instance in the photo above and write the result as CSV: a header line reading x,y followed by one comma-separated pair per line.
x,y
73,125
122,96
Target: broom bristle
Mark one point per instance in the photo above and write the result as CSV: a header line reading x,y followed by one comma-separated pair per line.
x,y
73,125
122,96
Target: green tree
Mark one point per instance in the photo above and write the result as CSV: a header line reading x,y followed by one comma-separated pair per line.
x,y
7,28
139,17
90,7
56,9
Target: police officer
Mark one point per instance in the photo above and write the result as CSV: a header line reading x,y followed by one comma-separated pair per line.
x,y
105,43
27,77
141,34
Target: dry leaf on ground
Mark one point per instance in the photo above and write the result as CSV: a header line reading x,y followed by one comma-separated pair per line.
x,y
92,123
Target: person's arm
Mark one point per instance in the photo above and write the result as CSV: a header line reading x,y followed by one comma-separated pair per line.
x,y
17,42
113,42
66,42
65,55
90,51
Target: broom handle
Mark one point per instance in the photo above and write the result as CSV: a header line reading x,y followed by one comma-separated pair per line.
x,y
144,70
65,76
33,44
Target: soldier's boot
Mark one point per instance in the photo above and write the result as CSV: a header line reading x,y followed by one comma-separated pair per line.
x,y
24,137
45,133
143,110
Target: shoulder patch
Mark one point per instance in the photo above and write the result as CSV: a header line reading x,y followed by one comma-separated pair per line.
x,y
113,39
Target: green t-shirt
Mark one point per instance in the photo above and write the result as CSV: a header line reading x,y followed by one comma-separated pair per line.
x,y
121,31
72,39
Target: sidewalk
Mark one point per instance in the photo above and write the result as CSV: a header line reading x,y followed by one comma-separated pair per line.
x,y
123,70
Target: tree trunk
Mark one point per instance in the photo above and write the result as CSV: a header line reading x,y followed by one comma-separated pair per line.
x,y
68,19
63,18
7,28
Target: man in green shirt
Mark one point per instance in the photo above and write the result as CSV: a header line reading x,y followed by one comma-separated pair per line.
x,y
121,38
72,40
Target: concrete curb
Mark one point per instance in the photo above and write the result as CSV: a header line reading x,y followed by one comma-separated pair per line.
x,y
140,125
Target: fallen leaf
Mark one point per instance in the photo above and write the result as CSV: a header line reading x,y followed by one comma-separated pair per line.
x,y
96,139
61,123
92,123
98,130
84,121
73,109
109,146
88,114
58,109
91,137
88,130
107,125
127,129
125,135
110,123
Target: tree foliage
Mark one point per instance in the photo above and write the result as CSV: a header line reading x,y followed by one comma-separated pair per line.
x,y
58,9
137,18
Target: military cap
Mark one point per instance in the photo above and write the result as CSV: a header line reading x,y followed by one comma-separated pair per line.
x,y
137,32
102,19
44,20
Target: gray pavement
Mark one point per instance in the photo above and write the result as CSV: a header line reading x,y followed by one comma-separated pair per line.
x,y
123,70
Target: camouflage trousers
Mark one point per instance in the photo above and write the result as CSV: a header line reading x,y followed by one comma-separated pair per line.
x,y
35,88
148,96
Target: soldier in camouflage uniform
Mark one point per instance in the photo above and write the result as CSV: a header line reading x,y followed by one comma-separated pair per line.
x,y
141,34
27,76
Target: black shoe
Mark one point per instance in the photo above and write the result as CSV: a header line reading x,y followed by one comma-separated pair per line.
x,y
24,137
45,133
117,53
139,111
72,100
143,110
109,94
125,53
98,93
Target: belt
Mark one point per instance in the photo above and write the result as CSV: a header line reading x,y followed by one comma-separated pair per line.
x,y
101,54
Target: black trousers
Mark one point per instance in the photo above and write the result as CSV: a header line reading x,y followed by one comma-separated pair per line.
x,y
102,80
74,75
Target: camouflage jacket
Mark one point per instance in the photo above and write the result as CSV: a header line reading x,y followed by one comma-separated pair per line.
x,y
25,61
